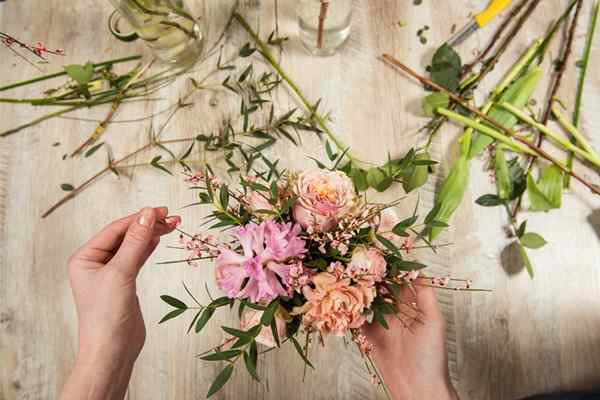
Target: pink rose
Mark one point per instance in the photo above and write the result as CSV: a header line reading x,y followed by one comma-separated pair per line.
x,y
335,305
324,197
257,202
252,317
388,219
367,265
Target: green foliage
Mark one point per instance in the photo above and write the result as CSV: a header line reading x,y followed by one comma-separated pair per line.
x,y
220,380
434,101
532,240
546,193
446,68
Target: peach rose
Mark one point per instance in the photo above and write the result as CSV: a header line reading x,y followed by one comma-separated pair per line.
x,y
334,305
367,265
252,317
324,197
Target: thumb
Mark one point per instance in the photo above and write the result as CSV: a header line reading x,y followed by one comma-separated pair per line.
x,y
133,252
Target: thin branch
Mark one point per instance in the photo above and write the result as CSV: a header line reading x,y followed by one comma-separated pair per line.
x,y
322,17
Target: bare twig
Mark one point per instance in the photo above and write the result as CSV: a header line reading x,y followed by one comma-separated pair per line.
x,y
497,35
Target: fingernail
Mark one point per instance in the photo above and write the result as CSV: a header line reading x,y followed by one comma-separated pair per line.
x,y
173,221
147,217
162,211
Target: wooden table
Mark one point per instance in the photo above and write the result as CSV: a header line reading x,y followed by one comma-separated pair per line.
x,y
526,337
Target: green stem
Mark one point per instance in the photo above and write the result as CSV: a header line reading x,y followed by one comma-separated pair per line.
x,y
551,134
264,50
57,74
474,124
38,120
585,61
572,129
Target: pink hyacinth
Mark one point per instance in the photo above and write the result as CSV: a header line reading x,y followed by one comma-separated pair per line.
x,y
262,271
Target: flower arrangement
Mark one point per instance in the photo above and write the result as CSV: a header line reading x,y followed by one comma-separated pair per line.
x,y
300,251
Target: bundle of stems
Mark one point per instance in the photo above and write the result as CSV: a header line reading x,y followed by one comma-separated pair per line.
x,y
103,87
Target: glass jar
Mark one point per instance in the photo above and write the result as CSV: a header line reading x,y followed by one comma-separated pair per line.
x,y
325,25
167,27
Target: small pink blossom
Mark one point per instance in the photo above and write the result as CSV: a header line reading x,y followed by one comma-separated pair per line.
x,y
334,305
388,219
324,197
252,317
407,245
261,272
367,265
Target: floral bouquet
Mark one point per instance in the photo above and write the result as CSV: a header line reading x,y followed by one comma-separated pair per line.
x,y
299,252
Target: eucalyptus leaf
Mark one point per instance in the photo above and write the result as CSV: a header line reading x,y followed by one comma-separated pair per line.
x,y
415,176
446,68
532,240
489,200
82,74
220,380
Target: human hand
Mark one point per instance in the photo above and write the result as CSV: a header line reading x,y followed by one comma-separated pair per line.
x,y
411,355
103,276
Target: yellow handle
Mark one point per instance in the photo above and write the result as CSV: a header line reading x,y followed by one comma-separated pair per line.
x,y
495,8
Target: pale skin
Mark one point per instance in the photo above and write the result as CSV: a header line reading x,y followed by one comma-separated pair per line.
x,y
103,275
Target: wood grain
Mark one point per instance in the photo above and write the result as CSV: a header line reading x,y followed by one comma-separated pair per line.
x,y
524,338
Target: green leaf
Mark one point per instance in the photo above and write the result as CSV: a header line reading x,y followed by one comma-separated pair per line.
x,y
380,318
359,178
156,164
489,200
532,240
446,68
67,187
522,228
222,355
251,366
93,149
518,182
194,321
247,50
269,313
416,175
388,244
220,380
204,318
82,74
434,101
375,177
526,260
402,226
546,193
224,197
172,301
240,334
172,314
300,351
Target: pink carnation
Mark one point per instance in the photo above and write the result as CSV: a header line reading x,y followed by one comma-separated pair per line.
x,y
324,197
252,317
262,271
335,305
367,265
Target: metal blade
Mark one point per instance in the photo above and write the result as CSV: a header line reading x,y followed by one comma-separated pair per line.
x,y
463,34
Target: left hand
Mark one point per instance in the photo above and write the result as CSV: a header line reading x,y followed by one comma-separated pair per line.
x,y
103,276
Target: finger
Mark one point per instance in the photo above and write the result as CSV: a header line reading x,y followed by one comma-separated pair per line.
x,y
426,300
134,249
102,246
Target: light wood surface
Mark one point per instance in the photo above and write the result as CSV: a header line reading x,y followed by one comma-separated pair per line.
x,y
526,337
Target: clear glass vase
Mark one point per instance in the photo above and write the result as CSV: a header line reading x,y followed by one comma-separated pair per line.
x,y
167,27
325,25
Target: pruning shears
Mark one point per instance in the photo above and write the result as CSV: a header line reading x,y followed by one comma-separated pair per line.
x,y
479,21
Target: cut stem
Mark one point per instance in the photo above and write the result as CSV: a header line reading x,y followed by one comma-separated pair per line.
x,y
476,125
572,129
322,17
557,138
63,73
